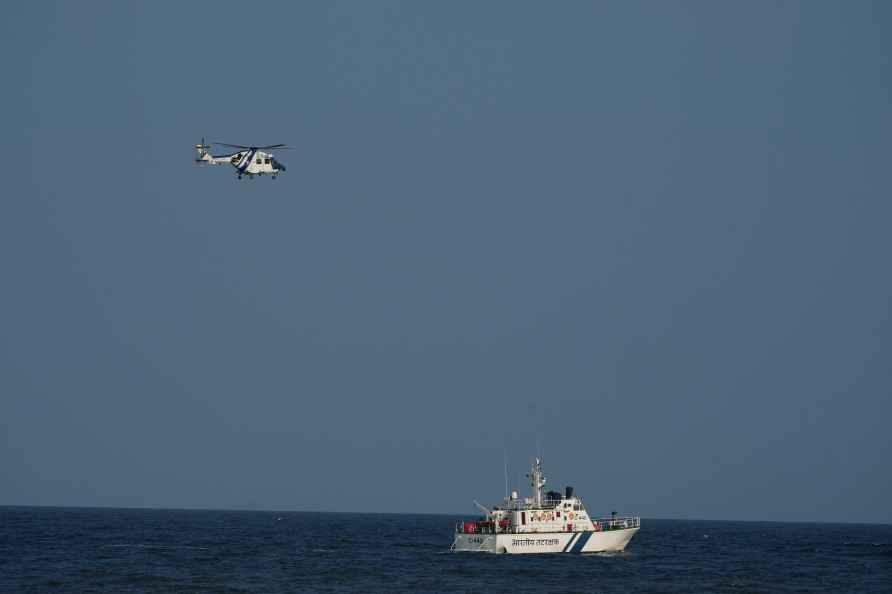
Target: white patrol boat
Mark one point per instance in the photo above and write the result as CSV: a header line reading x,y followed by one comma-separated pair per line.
x,y
554,523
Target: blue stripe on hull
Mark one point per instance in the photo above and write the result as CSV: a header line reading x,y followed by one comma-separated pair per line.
x,y
581,542
569,542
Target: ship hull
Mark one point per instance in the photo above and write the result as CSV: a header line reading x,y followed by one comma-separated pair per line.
x,y
545,542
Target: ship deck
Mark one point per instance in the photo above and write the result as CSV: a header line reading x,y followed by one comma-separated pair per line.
x,y
601,525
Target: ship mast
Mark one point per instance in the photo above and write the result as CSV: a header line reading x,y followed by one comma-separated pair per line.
x,y
537,481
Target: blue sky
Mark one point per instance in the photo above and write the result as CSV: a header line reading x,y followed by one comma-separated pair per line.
x,y
650,237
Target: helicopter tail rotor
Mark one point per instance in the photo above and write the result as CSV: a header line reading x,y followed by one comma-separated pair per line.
x,y
202,151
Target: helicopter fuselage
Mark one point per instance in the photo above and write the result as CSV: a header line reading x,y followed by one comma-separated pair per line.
x,y
248,162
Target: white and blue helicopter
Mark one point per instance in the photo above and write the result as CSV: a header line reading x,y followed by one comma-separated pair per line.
x,y
249,160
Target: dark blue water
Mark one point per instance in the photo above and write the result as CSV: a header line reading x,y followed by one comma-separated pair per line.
x,y
118,550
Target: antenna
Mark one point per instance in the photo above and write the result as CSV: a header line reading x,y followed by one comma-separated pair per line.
x,y
537,481
506,471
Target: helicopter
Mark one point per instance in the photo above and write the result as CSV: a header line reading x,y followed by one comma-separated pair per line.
x,y
248,160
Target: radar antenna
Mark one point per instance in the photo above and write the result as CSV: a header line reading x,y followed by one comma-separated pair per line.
x,y
537,481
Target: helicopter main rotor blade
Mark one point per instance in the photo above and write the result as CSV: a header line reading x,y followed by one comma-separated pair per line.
x,y
241,146
238,146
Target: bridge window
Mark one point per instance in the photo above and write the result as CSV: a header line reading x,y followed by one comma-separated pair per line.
x,y
266,161
259,161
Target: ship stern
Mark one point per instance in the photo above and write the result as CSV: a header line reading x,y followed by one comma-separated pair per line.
x,y
485,543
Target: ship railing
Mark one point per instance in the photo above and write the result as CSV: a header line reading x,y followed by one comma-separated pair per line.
x,y
618,523
547,504
601,525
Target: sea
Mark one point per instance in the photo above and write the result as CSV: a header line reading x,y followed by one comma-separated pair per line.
x,y
136,550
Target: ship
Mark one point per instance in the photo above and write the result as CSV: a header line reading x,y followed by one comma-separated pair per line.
x,y
552,522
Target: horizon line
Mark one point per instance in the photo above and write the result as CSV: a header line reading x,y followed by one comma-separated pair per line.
x,y
449,514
